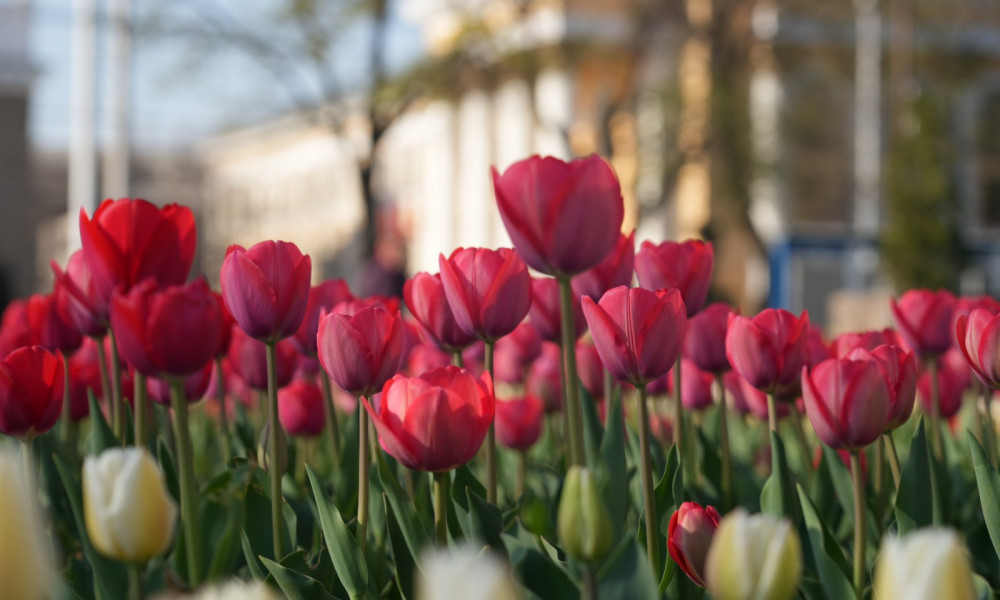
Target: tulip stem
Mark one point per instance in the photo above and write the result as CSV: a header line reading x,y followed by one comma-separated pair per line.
x,y
935,410
102,361
522,470
28,464
680,437
139,416
331,416
68,429
589,584
649,498
456,359
890,446
572,396
987,422
727,467
117,410
134,581
804,449
491,440
363,466
772,413
441,508
859,523
220,394
274,445
878,487
185,460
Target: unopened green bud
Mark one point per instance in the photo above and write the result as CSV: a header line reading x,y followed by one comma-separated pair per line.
x,y
584,523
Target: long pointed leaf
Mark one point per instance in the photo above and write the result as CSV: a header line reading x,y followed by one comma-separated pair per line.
x,y
348,560
988,482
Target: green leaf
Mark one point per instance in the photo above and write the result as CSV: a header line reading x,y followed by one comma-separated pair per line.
x,y
403,563
406,515
592,430
101,436
295,585
914,502
253,563
348,560
778,498
668,491
615,467
627,575
988,482
169,469
834,570
539,574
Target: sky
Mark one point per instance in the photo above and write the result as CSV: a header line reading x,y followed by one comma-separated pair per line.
x,y
182,94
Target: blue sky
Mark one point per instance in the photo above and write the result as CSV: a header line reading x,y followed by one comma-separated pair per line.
x,y
180,96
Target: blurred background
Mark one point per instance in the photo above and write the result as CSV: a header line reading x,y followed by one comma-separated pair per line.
x,y
834,152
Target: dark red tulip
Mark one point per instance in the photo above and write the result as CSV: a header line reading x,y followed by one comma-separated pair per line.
x,y
425,297
322,297
978,335
228,322
769,349
638,333
869,340
545,312
953,379
301,409
15,330
248,359
49,329
489,291
84,375
129,240
544,380
173,331
266,288
195,386
901,370
436,421
847,400
616,269
705,341
519,422
31,392
686,266
689,535
563,218
924,320
362,348
78,299
515,352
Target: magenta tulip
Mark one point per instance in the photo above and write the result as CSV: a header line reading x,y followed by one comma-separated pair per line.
x,y
979,340
705,341
248,359
360,347
515,352
689,535
847,400
616,269
489,291
322,298
544,380
696,386
301,409
77,298
924,320
425,297
953,379
869,340
900,367
545,313
195,386
769,349
686,266
519,422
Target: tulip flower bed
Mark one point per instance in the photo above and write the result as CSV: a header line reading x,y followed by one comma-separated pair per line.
x,y
551,433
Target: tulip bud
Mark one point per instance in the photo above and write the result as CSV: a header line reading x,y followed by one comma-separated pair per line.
x,y
234,589
689,536
467,573
930,563
129,514
753,557
583,522
24,567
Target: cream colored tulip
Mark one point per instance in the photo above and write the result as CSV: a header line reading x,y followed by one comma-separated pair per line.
x,y
754,557
466,573
129,513
234,589
25,568
924,565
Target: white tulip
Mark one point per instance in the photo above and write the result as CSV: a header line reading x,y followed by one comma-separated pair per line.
x,y
753,557
25,568
923,565
234,589
465,573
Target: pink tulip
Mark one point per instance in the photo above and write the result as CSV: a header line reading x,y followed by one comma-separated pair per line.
x,y
519,422
361,348
924,320
322,298
749,400
869,340
696,386
953,379
900,367
616,269
489,291
689,535
425,297
847,400
705,341
515,352
301,409
686,266
546,314
424,357
590,369
77,298
248,359
769,349
979,340
544,380
195,386
48,327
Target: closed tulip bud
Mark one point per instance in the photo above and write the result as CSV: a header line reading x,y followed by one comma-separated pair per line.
x,y
25,569
464,572
583,521
847,400
31,392
322,297
424,296
489,291
129,513
696,386
15,331
77,298
689,536
753,557
924,320
869,340
515,352
301,409
748,399
979,339
901,373
248,359
928,564
360,346
563,217
424,357
705,341
48,327
769,349
589,369
685,266
519,422
544,380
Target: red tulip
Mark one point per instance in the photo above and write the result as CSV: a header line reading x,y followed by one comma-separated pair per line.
x,y
84,375
544,379
616,269
49,329
816,349
705,341
228,322
129,240
563,218
869,340
174,331
515,352
953,379
900,367
31,392
638,333
15,330
978,336
266,288
195,386
966,304
489,291
769,350
425,297
686,266
696,386
236,389
436,421
660,425
474,357
77,298
248,359
847,400
322,297
923,319
545,312
519,422
301,409
749,400
424,357
590,369
362,348
689,535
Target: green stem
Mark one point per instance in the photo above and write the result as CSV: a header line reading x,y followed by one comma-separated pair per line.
x,y
563,410
571,398
804,449
522,470
890,445
491,441
189,491
140,401
456,359
332,423
935,410
102,361
117,410
441,508
649,498
680,435
859,524
772,413
274,445
589,584
878,489
987,421
67,427
609,387
363,465
28,464
134,581
727,466
220,395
